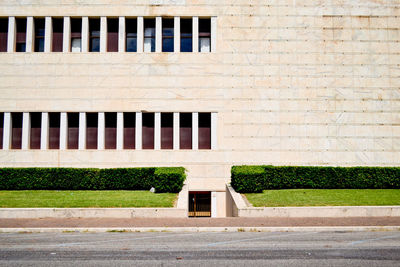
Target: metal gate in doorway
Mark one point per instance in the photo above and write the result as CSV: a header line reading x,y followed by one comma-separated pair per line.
x,y
200,204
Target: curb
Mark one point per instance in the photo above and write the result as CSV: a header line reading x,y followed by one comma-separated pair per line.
x,y
201,229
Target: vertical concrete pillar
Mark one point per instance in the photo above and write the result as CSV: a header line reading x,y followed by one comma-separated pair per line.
x,y
214,127
82,131
63,130
26,130
140,35
195,130
67,35
101,130
158,34
103,34
121,35
7,131
176,131
44,134
138,131
85,34
157,131
48,35
177,34
213,34
120,130
12,32
213,204
30,32
195,33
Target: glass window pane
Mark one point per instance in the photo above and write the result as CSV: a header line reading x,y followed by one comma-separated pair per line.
x,y
204,44
76,45
168,45
186,45
131,44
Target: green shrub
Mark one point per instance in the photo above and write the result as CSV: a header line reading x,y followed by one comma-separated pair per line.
x,y
246,179
163,179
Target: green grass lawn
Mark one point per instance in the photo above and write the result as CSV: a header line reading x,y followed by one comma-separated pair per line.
x,y
325,197
84,199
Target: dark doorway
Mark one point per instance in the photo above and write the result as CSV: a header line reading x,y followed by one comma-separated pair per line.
x,y
200,204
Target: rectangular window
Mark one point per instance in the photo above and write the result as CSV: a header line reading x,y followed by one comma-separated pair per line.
x,y
112,34
94,35
58,30
39,34
204,35
149,35
36,125
204,130
54,130
148,131
16,135
131,35
168,35
20,45
1,129
167,130
76,35
3,34
186,35
129,130
110,130
91,130
185,131
73,130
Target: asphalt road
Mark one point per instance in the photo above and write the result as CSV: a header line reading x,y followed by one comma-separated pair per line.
x,y
201,249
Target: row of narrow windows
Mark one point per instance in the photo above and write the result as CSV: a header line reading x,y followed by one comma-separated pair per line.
x,y
76,30
109,130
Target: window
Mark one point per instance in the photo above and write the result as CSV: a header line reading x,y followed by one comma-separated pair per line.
x,y
131,35
110,135
168,35
20,45
112,34
73,130
149,35
54,130
16,135
167,130
186,35
3,34
1,129
35,134
91,130
204,35
76,35
94,35
148,130
39,34
204,130
129,130
58,25
185,131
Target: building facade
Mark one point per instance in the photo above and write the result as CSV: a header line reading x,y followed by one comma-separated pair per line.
x,y
200,84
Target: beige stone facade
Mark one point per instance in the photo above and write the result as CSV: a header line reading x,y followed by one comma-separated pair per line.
x,y
293,82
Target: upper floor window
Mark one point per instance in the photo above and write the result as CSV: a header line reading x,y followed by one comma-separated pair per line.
x,y
131,35
76,35
149,35
57,43
94,35
112,34
168,35
186,35
21,35
3,34
204,35
39,34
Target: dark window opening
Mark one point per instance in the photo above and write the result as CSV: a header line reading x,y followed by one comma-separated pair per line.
x,y
76,35
54,130
131,35
112,34
199,204
94,35
148,131
149,35
167,130
36,126
16,136
58,30
20,45
204,35
204,130
73,130
129,130
1,129
185,131
39,34
91,130
186,35
168,35
3,34
110,136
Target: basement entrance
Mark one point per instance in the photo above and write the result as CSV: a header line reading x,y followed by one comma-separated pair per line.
x,y
199,204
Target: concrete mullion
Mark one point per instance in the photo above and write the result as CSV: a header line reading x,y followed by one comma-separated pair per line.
x,y
121,35
120,130
82,131
7,127
176,131
177,34
26,125
138,131
103,34
12,33
195,130
157,130
85,35
140,34
101,130
158,34
30,32
195,34
44,135
67,35
63,130
48,35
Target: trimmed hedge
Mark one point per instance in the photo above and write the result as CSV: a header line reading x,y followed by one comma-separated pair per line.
x,y
249,179
162,179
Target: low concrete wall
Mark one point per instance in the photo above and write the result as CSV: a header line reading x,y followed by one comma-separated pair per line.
x,y
240,209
